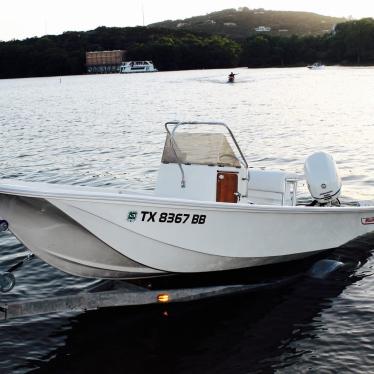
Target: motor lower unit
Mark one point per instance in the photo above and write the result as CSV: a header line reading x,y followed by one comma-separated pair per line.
x,y
321,174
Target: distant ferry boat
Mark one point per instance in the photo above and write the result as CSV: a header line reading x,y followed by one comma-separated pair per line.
x,y
137,67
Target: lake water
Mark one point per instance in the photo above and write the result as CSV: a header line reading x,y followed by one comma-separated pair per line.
x,y
107,130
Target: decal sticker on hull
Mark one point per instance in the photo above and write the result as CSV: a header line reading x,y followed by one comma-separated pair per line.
x,y
367,221
131,216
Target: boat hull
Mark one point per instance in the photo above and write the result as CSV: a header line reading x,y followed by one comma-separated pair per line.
x,y
139,71
63,243
141,236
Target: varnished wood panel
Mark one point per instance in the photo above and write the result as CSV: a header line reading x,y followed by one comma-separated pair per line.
x,y
227,186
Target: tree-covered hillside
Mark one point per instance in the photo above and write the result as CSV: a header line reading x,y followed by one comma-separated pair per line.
x,y
351,43
242,23
65,54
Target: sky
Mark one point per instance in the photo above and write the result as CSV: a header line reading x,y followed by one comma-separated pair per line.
x,y
20,19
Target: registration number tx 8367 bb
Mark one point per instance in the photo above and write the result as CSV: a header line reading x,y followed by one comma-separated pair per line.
x,y
163,217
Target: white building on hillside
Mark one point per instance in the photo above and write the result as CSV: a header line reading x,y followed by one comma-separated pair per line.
x,y
262,29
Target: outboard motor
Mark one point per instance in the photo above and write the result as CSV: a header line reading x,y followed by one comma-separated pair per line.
x,y
321,174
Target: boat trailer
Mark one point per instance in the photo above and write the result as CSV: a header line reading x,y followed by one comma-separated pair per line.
x,y
105,294
109,293
124,294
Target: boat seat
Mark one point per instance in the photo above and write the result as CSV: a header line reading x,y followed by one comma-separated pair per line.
x,y
272,187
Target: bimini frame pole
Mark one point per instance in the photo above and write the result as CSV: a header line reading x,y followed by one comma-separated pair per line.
x,y
172,142
177,124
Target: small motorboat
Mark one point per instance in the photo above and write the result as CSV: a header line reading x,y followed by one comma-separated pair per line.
x,y
209,212
316,66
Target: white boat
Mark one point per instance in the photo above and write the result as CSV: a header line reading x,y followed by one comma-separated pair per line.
x,y
137,67
209,212
316,66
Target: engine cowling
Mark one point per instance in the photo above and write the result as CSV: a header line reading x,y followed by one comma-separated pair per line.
x,y
322,176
